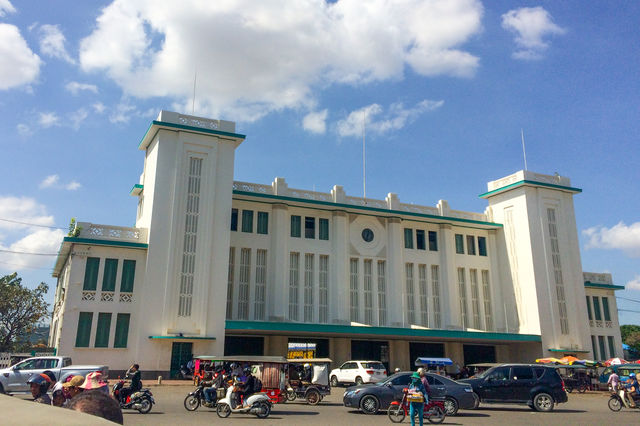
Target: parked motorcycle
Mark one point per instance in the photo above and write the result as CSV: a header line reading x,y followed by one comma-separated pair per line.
x,y
618,400
258,404
141,400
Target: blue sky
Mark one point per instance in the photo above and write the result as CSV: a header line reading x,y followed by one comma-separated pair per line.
x,y
447,87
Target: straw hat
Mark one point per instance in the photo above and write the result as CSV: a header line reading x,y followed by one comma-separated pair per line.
x,y
75,382
93,381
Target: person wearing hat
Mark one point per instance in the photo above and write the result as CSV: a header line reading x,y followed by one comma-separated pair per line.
x,y
72,386
416,396
93,381
39,384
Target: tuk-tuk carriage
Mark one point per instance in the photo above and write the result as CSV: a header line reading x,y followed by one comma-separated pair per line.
x,y
270,370
311,384
575,377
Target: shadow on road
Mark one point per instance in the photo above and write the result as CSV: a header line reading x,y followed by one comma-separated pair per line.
x,y
527,409
295,413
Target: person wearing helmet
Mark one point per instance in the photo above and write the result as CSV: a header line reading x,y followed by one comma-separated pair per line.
x,y
39,384
632,389
307,373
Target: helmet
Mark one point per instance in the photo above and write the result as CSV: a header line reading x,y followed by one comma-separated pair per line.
x,y
307,365
233,365
632,375
42,380
421,371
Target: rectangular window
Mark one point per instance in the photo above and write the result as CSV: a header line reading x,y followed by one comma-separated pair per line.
x,y
91,274
128,276
424,296
261,284
462,296
368,292
435,294
247,220
83,333
323,231
459,243
382,293
232,255
596,308
595,348
420,240
323,285
309,227
122,331
244,279
263,223
353,290
308,287
408,238
294,284
486,293
475,298
234,219
109,276
409,293
295,226
612,347
471,244
102,330
557,270
602,348
605,309
589,309
433,241
482,246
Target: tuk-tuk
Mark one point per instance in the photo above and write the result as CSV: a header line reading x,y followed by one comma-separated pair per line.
x,y
315,386
270,370
575,377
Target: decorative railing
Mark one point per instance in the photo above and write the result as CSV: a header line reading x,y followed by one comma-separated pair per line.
x,y
252,187
419,209
608,324
598,323
88,295
126,297
467,215
591,323
600,278
108,232
106,296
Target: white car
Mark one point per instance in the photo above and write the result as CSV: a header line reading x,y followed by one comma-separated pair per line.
x,y
358,372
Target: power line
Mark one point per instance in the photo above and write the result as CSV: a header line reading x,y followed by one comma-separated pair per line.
x,y
29,253
32,224
23,266
626,298
628,310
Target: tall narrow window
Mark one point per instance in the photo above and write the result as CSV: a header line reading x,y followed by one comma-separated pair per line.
x,y
261,284
294,284
309,227
424,296
232,255
433,241
247,220
308,287
557,270
122,331
83,334
353,290
589,309
91,274
408,238
109,277
190,237
368,292
486,296
102,330
596,308
612,347
605,309
295,226
595,348
323,287
128,276
244,279
603,352
382,293
409,293
263,223
482,246
462,296
471,244
323,231
420,240
234,219
475,298
459,243
435,294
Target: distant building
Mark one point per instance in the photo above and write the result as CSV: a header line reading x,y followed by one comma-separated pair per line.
x,y
217,266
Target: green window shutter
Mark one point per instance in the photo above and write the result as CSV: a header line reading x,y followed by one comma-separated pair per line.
x,y
295,226
91,273
589,309
482,246
605,310
433,241
459,243
102,330
408,238
122,331
109,278
263,223
323,232
128,276
612,346
596,308
84,329
247,220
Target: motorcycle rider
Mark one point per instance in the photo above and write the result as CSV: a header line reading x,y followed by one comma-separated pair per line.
x,y
247,385
631,389
210,385
307,374
39,384
136,384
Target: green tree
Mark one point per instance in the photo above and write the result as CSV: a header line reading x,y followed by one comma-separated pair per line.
x,y
626,330
21,309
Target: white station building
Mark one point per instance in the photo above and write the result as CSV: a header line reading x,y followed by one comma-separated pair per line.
x,y
218,266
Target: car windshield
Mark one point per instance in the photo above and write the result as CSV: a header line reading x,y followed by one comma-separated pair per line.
x,y
485,373
373,365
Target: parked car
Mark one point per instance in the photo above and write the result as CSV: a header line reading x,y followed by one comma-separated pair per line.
x,y
14,379
358,372
538,386
371,398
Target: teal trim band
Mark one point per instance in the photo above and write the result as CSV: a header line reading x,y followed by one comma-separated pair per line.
x,y
375,209
377,331
105,242
183,337
589,284
189,128
136,190
582,351
529,182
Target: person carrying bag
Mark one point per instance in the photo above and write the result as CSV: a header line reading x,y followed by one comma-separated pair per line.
x,y
417,397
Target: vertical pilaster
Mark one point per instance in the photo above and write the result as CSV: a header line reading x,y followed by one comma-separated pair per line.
x,y
448,282
395,285
339,283
278,300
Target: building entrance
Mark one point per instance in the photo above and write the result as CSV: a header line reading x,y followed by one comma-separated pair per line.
x,y
243,345
475,354
181,354
367,350
423,349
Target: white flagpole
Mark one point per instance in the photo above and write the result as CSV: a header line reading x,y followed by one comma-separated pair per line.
x,y
524,152
364,169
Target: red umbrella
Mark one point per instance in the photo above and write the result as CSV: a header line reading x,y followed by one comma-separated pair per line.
x,y
615,361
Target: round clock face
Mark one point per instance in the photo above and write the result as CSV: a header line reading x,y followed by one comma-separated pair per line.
x,y
367,235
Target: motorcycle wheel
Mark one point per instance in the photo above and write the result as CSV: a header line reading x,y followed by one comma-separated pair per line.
x,y
396,413
569,389
313,397
582,388
615,404
145,406
291,395
191,403
223,410
436,414
264,409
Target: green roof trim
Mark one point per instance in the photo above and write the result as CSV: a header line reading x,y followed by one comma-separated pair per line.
x,y
589,284
582,351
529,182
377,331
96,242
188,128
183,337
136,189
375,209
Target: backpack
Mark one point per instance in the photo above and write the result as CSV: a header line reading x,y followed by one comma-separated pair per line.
x,y
257,385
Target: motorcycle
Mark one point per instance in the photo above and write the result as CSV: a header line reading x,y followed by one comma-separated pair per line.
x,y
258,404
618,400
141,400
434,410
196,398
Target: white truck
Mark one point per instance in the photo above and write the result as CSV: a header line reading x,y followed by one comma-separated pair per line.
x,y
14,379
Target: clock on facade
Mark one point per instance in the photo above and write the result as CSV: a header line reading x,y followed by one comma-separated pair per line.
x,y
367,235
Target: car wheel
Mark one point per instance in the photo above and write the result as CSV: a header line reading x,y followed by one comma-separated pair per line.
x,y
543,402
191,402
615,404
450,406
359,380
334,382
369,404
313,397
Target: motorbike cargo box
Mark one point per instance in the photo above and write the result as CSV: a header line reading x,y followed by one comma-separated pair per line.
x,y
220,393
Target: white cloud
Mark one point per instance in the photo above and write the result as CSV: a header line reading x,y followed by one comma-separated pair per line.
x,y
24,130
396,117
53,181
23,209
74,87
634,284
531,25
99,107
76,118
19,66
50,181
72,186
6,7
315,122
48,119
52,43
123,113
37,241
618,237
276,56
